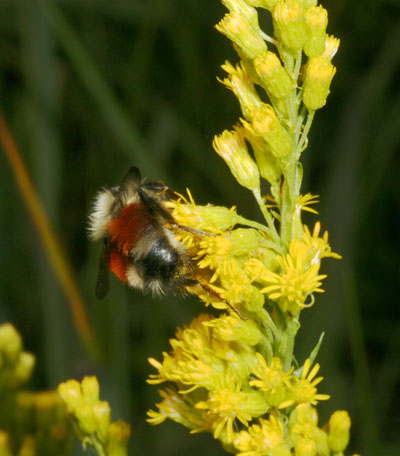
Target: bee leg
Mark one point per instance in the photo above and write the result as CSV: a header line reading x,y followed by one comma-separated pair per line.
x,y
189,229
209,290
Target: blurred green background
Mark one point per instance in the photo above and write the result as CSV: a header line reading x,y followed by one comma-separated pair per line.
x,y
92,87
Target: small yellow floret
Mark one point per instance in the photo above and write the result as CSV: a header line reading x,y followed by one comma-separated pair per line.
x,y
292,287
316,19
339,431
241,84
318,77
266,438
226,405
303,389
266,124
272,74
288,24
90,388
231,146
273,381
238,29
71,394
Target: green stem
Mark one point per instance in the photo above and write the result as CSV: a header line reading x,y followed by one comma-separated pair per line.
x,y
299,123
297,66
303,139
292,326
252,223
267,216
288,204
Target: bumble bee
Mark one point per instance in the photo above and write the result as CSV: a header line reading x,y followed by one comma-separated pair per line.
x,y
139,245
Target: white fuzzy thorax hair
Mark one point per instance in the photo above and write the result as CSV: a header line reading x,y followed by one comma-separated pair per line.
x,y
100,214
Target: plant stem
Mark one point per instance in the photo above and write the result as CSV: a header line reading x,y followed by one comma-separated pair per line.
x,y
267,216
292,326
303,139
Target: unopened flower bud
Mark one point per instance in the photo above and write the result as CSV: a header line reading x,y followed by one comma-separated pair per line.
x,y
237,28
118,438
102,416
316,19
339,431
266,124
318,77
272,74
90,389
70,393
288,24
231,146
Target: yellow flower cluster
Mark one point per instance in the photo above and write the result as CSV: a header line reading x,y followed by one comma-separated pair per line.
x,y
244,264
31,423
235,376
225,386
92,418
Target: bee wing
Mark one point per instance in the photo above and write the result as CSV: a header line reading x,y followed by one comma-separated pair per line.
x,y
103,279
132,178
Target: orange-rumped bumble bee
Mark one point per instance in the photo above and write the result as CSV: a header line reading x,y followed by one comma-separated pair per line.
x,y
139,245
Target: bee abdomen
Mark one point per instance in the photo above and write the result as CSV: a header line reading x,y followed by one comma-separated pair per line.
x,y
161,261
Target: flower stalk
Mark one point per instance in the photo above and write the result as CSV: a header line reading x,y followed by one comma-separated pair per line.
x,y
238,378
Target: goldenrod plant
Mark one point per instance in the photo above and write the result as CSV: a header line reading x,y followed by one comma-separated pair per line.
x,y
39,423
31,423
236,375
92,418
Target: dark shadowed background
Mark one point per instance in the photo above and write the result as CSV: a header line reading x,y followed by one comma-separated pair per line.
x,y
92,87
